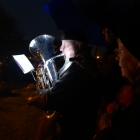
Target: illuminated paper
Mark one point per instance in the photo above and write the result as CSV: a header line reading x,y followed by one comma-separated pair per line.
x,y
24,63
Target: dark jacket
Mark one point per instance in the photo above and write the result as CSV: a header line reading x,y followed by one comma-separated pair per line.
x,y
74,98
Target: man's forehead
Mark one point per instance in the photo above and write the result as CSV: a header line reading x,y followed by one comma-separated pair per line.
x,y
66,42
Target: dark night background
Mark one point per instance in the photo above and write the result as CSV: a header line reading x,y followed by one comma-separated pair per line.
x,y
21,21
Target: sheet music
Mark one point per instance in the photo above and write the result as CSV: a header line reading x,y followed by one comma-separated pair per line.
x,y
24,63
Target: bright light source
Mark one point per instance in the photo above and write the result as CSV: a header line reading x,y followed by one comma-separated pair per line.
x,y
98,57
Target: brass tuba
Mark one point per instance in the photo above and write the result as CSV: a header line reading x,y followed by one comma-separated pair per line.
x,y
43,47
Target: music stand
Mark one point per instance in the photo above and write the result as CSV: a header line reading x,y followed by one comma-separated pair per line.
x,y
24,64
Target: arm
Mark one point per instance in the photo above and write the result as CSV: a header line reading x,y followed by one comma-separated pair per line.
x,y
56,96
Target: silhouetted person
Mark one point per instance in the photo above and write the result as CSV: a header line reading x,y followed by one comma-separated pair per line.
x,y
110,75
121,118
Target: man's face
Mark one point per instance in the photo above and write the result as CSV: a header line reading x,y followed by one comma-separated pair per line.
x,y
67,48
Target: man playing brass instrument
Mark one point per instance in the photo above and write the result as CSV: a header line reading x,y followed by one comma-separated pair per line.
x,y
71,94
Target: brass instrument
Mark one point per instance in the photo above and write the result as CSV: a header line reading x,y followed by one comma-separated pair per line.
x,y
46,76
43,46
42,81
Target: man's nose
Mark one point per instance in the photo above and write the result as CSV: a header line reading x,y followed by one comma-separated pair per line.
x,y
61,48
